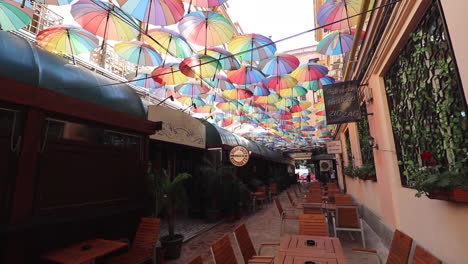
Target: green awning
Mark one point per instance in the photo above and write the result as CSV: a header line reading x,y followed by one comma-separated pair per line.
x,y
27,63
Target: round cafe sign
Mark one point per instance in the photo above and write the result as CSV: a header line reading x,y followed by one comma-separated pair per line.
x,y
239,156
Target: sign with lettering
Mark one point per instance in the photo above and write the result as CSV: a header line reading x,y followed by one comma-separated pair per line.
x,y
239,156
342,102
334,147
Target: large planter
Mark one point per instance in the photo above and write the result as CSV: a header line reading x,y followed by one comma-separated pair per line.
x,y
172,246
458,195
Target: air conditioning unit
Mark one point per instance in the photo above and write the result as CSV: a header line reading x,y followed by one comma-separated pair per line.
x,y
326,165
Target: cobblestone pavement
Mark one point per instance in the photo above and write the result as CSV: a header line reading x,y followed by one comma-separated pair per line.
x,y
188,227
264,226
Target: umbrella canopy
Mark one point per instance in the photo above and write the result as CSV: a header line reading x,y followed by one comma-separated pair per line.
x,y
334,11
169,74
186,100
279,82
55,2
192,89
245,75
167,41
67,40
252,47
154,12
231,105
279,64
287,102
317,84
13,17
143,80
164,92
104,20
200,66
205,3
215,98
260,91
301,106
237,94
220,82
206,28
227,60
335,43
203,109
138,52
309,72
271,98
293,92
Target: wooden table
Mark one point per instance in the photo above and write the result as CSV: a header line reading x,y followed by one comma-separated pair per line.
x,y
324,248
76,254
286,259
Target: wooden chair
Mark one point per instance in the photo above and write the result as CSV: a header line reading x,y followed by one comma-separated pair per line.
x,y
262,198
283,214
399,250
313,225
224,254
196,260
313,198
144,244
344,199
312,208
421,256
347,219
246,246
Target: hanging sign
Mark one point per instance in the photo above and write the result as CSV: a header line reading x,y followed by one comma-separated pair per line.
x,y
334,147
239,156
342,102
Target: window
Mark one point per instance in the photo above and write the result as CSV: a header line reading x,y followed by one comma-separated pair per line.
x,y
425,97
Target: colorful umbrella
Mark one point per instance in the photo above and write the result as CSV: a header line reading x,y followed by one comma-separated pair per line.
x,y
55,2
301,106
332,11
279,64
67,40
317,84
154,12
203,109
309,72
279,82
227,60
293,92
260,91
221,82
335,43
205,3
138,52
200,66
215,98
197,101
287,102
104,20
252,47
169,74
143,80
231,105
245,75
13,17
169,42
271,98
192,89
237,94
206,28
164,92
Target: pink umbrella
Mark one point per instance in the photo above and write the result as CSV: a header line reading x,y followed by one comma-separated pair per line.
x,y
154,12
245,75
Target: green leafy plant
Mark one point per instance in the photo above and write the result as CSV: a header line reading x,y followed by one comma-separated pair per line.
x,y
433,177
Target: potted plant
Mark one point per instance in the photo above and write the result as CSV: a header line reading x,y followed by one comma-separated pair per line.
x,y
169,195
367,172
437,181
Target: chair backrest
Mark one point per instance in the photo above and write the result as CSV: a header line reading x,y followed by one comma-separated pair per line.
x,y
344,199
278,205
313,198
315,208
147,233
290,198
313,225
245,243
273,188
347,216
197,260
222,251
400,249
421,256
261,189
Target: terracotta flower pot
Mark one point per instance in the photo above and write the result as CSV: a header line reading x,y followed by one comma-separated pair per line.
x,y
459,195
439,195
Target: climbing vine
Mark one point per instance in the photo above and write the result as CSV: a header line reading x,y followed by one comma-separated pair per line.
x,y
367,153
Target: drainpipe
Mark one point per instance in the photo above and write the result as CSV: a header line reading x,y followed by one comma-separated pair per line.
x,y
357,36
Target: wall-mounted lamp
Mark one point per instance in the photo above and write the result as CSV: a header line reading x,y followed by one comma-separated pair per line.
x,y
169,97
372,142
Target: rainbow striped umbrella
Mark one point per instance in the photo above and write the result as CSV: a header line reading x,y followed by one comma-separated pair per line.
x,y
205,3
293,92
301,106
206,28
186,100
320,113
215,98
227,60
309,72
335,43
104,20
13,17
221,82
169,42
164,92
143,80
271,98
332,11
279,82
203,109
252,47
279,64
287,102
154,12
245,75
169,74
301,113
200,66
192,89
138,52
317,84
56,2
67,40
260,91
237,94
230,105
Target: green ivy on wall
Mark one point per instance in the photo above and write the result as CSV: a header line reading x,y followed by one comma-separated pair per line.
x,y
367,152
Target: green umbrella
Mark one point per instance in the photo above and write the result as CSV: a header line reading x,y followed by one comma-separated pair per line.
x,y
12,16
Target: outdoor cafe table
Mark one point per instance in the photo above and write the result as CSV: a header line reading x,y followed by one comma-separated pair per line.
x,y
83,252
294,246
287,259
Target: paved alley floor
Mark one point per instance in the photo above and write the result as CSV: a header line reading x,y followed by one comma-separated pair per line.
x,y
264,226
